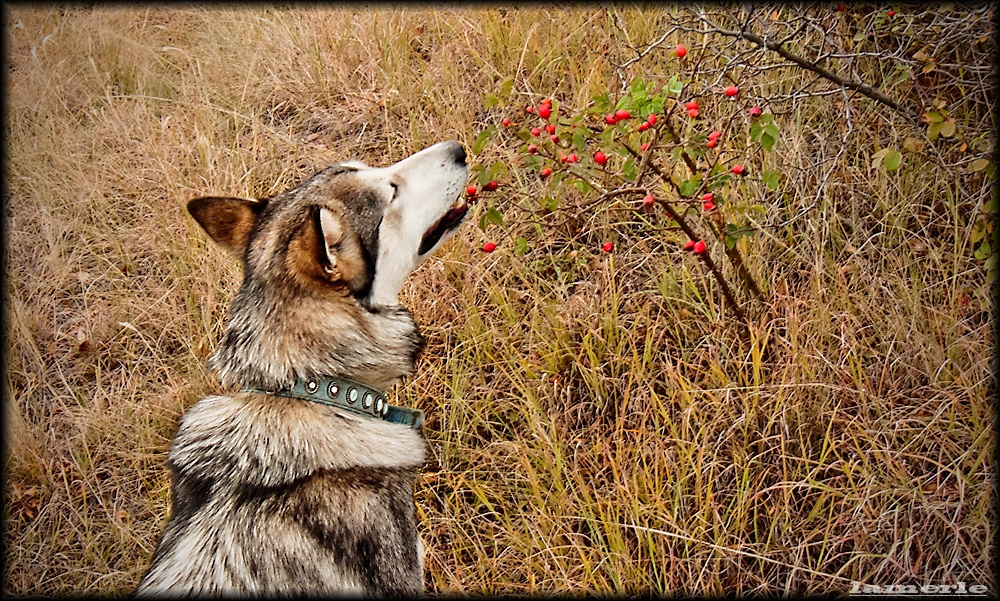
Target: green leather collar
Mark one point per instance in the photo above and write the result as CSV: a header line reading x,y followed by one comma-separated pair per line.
x,y
349,395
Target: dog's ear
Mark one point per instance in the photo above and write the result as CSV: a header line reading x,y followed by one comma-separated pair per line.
x,y
228,221
325,249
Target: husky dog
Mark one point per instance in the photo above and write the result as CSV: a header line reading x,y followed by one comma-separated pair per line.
x,y
303,481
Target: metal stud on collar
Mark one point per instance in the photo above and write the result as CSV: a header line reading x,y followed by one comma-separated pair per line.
x,y
312,386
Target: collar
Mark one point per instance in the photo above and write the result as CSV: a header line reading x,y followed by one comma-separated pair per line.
x,y
343,393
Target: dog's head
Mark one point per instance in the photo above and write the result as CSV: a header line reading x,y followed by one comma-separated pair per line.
x,y
350,228
324,263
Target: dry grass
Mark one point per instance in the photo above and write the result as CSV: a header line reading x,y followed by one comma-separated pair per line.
x,y
596,423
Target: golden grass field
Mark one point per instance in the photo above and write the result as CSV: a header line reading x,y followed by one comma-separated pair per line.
x,y
598,423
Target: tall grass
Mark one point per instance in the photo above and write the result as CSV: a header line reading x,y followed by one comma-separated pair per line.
x,y
595,425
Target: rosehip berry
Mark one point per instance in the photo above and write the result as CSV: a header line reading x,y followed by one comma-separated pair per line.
x,y
600,158
737,169
691,105
841,8
545,172
699,247
622,115
546,101
648,201
491,185
550,128
532,149
708,206
681,51
715,135
712,143
505,122
689,245
732,91
489,247
708,197
606,247
693,113
651,120
891,13
754,111
645,146
610,119
572,158
470,191
644,127
545,111
555,139
529,109
536,131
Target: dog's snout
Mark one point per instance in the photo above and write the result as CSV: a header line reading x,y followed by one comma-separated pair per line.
x,y
459,153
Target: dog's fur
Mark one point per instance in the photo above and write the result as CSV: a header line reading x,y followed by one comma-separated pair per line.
x,y
277,495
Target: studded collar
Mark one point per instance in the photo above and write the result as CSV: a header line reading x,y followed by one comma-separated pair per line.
x,y
349,395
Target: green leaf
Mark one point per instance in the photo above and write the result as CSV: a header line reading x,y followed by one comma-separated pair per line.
x,y
772,179
493,216
484,176
859,36
948,128
978,165
674,86
767,142
506,86
549,203
521,246
893,160
933,117
582,186
689,187
579,141
483,137
983,251
933,130
490,101
628,170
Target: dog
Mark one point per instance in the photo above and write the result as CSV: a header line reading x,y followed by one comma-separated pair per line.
x,y
303,481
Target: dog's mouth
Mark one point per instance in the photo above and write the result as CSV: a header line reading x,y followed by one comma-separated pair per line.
x,y
442,226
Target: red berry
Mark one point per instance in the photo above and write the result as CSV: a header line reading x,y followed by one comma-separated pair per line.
x,y
691,105
489,247
681,51
545,111
841,8
645,146
546,101
754,111
536,131
550,128
732,91
644,127
891,13
545,172
600,158
606,247
708,197
470,191
648,201
651,120
689,245
693,113
532,149
610,119
699,247
572,158
530,109
622,115
555,139
715,135
491,185
708,206
712,144
737,169
505,122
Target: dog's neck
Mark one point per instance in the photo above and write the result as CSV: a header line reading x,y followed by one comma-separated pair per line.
x,y
271,346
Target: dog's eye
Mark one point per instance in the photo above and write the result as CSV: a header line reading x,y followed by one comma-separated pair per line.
x,y
395,190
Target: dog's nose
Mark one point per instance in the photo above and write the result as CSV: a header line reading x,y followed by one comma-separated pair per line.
x,y
459,153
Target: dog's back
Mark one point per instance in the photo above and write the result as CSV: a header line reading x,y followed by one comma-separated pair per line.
x,y
269,498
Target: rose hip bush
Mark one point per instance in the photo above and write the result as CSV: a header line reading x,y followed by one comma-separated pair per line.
x,y
688,156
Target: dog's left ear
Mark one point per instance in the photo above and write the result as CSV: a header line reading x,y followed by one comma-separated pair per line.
x,y
228,221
